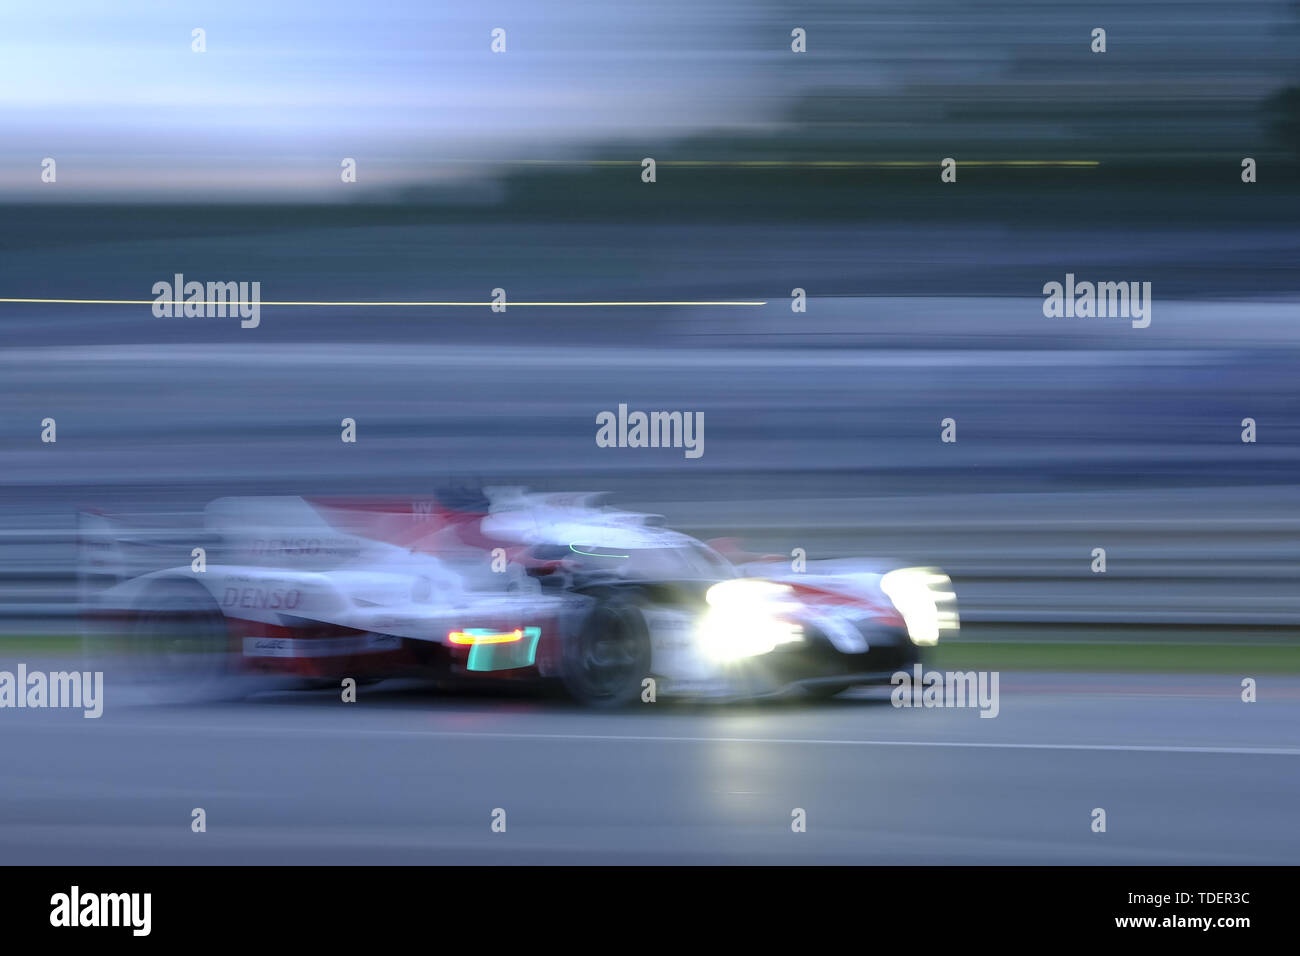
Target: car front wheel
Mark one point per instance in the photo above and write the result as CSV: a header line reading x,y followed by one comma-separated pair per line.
x,y
605,663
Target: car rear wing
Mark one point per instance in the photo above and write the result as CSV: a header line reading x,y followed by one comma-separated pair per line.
x,y
114,549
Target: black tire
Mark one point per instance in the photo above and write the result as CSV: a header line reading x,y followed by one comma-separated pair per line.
x,y
604,664
178,648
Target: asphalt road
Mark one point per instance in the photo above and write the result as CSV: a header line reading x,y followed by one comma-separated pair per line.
x,y
1186,772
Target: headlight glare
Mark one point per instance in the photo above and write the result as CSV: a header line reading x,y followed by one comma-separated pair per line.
x,y
917,594
745,619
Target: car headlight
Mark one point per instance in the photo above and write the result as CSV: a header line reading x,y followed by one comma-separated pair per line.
x,y
917,593
746,618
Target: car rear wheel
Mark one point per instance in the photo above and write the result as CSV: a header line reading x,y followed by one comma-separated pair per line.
x,y
178,648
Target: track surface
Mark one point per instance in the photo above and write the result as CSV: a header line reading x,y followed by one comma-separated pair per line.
x,y
1186,772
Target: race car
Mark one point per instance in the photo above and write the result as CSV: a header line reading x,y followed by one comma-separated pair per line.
x,y
490,584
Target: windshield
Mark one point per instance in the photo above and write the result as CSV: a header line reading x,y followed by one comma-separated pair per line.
x,y
682,563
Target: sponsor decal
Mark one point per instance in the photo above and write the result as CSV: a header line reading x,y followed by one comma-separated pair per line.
x,y
274,599
303,547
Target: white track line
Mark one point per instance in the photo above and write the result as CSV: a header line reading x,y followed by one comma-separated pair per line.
x,y
339,732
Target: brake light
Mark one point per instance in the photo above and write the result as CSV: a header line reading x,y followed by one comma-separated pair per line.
x,y
480,635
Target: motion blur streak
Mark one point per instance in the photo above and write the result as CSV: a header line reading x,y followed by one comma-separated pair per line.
x,y
778,172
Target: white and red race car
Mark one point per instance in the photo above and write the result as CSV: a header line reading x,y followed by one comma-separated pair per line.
x,y
498,583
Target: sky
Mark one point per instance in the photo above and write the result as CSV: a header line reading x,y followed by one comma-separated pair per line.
x,y
410,89
114,93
